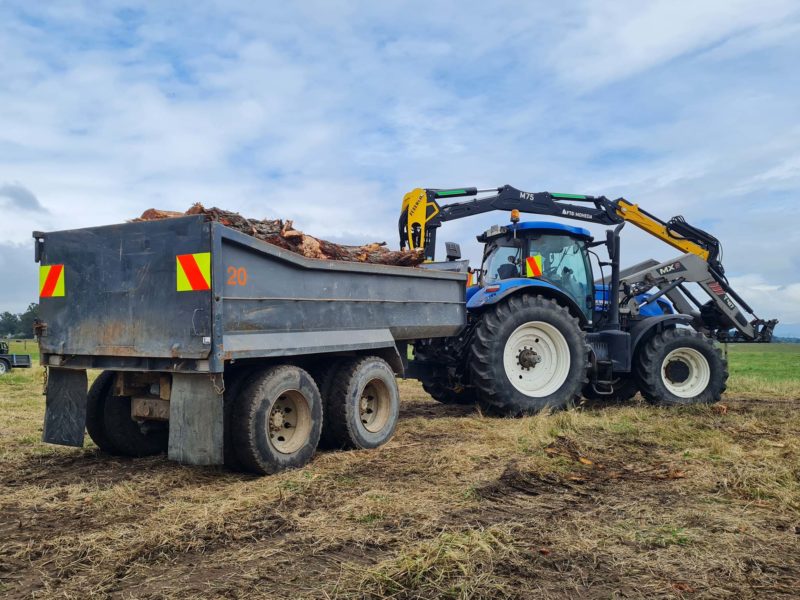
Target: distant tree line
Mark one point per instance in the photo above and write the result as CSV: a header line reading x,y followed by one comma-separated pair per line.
x,y
19,325
786,340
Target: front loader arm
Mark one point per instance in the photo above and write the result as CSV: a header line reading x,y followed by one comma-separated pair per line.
x,y
718,316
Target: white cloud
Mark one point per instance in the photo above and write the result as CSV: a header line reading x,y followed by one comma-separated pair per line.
x,y
613,40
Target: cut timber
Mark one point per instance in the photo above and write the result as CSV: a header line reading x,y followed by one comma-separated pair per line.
x,y
282,233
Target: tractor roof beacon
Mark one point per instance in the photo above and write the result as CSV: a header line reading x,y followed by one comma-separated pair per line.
x,y
544,328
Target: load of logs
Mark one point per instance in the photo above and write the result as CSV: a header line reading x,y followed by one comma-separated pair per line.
x,y
283,234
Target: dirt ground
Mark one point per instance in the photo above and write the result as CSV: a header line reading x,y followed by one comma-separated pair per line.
x,y
599,502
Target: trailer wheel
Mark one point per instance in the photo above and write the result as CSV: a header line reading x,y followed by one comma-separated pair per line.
x,y
363,404
277,420
95,402
528,354
681,367
324,374
623,389
109,423
235,380
5,366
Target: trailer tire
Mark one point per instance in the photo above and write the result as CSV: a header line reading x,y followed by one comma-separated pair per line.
x,y
512,340
109,423
324,374
5,366
234,382
680,366
95,402
363,404
274,401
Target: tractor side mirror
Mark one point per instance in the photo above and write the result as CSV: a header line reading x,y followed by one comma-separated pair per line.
x,y
453,251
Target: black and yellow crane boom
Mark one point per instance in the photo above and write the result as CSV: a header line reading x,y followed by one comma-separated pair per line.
x,y
421,215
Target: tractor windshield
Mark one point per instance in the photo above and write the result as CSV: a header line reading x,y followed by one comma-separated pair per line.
x,y
558,259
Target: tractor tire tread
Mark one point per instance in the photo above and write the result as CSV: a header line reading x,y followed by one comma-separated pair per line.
x,y
651,355
486,375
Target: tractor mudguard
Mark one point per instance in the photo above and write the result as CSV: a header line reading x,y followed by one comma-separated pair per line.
x,y
472,290
481,299
641,328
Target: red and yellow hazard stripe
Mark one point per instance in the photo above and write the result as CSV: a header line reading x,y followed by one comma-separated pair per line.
x,y
193,272
533,266
51,281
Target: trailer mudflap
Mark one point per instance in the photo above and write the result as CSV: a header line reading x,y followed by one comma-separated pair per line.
x,y
65,412
196,419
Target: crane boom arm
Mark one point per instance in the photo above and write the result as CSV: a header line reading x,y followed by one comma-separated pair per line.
x,y
421,215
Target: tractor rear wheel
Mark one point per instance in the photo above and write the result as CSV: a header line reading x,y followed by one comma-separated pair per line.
x,y
528,354
680,367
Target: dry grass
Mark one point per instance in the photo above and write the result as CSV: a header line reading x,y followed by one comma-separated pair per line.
x,y
629,501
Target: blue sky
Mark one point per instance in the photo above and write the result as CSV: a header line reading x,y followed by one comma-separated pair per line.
x,y
328,112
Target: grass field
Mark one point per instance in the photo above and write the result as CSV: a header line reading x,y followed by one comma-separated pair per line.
x,y
598,502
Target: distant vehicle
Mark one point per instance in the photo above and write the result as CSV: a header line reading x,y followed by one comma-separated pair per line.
x,y
10,361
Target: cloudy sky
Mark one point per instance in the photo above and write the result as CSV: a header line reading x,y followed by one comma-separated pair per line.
x,y
327,112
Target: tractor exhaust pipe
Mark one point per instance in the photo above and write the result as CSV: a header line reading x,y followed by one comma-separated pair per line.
x,y
613,244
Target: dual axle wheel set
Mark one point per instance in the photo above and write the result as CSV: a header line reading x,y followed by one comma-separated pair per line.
x,y
275,417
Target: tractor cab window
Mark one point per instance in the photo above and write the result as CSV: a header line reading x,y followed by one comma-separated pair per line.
x,y
562,261
503,263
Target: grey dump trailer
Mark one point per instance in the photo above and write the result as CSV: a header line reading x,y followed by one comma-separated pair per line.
x,y
219,348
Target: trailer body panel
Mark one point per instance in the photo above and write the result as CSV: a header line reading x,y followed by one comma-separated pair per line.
x,y
123,307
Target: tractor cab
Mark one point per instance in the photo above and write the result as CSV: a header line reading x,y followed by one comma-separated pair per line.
x,y
552,253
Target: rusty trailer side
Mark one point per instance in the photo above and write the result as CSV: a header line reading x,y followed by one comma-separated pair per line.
x,y
198,302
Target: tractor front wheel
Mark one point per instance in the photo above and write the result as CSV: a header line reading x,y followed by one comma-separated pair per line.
x,y
528,354
680,367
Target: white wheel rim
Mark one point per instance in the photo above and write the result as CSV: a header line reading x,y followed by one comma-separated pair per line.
x,y
2,367
685,372
536,359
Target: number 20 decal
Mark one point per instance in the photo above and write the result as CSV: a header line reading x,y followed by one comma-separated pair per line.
x,y
237,276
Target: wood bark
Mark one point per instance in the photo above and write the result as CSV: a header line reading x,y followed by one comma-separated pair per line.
x,y
283,234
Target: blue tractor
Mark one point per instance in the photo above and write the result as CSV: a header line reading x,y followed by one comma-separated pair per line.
x,y
544,329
